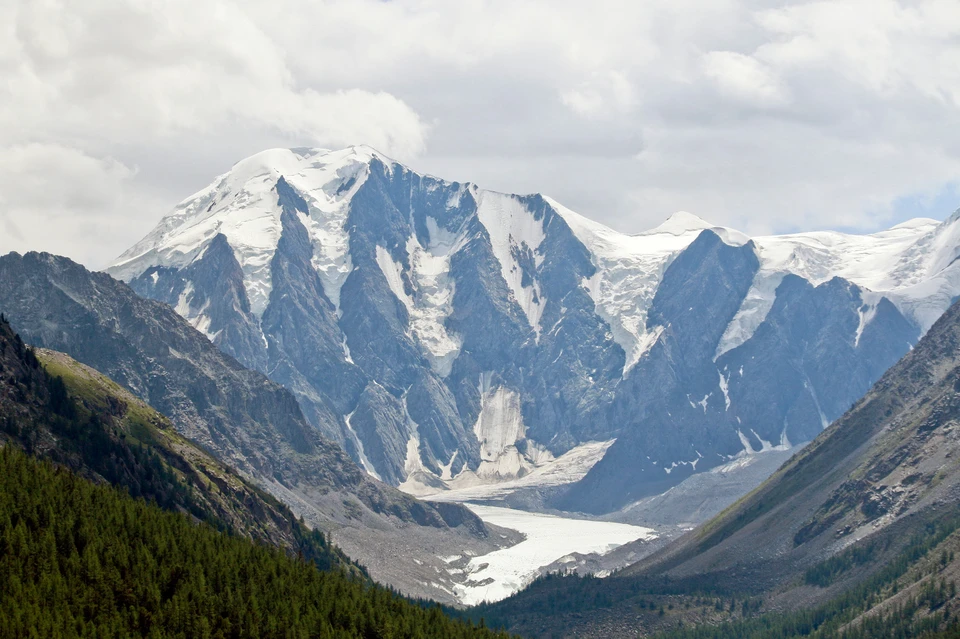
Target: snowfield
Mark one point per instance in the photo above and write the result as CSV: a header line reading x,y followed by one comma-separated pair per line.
x,y
503,572
566,469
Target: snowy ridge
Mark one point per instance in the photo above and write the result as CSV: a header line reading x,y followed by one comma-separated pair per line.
x,y
629,270
242,205
912,264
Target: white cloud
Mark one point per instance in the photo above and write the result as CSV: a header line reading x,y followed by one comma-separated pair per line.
x,y
51,196
103,72
603,94
91,184
744,78
766,115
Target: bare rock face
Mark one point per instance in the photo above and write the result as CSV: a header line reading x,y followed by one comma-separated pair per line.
x,y
395,305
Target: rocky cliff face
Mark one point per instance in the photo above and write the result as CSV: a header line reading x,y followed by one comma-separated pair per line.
x,y
248,422
448,336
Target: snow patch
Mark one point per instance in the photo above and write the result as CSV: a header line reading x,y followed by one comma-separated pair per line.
x,y
725,389
430,301
515,233
692,464
765,446
364,462
446,470
197,318
754,309
866,313
747,448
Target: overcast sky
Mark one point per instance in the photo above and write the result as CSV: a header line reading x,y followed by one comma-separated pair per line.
x,y
764,116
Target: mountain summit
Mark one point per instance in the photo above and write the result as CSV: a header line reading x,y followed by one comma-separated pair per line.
x,y
680,223
451,337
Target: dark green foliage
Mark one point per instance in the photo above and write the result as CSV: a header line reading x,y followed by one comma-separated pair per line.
x,y
60,402
82,560
556,594
824,573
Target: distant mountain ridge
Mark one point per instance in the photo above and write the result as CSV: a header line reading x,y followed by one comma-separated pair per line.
x,y
448,336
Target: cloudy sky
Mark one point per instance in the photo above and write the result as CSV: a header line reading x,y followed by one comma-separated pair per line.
x,y
765,116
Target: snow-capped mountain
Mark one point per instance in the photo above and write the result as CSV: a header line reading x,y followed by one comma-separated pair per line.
x,y
449,336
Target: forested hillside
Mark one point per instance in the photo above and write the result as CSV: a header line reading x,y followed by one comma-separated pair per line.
x,y
87,560
58,409
178,545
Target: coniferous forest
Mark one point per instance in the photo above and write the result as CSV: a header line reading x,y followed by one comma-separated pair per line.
x,y
86,560
107,531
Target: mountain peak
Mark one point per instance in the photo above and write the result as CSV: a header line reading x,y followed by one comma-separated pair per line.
x,y
681,222
287,162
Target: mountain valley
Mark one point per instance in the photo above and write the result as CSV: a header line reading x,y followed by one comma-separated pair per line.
x,y
468,391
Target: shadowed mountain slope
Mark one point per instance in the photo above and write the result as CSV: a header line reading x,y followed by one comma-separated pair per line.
x,y
851,532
